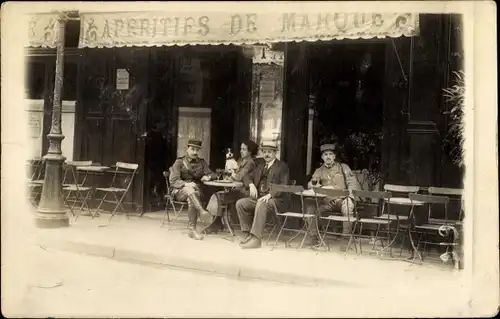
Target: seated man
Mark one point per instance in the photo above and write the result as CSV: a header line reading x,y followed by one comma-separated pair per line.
x,y
339,176
245,166
186,175
253,210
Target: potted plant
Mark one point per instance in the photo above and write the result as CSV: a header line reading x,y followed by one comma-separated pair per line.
x,y
452,146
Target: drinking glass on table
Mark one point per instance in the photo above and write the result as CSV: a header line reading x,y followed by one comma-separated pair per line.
x,y
219,172
227,175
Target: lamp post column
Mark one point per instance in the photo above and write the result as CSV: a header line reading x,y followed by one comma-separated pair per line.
x,y
51,212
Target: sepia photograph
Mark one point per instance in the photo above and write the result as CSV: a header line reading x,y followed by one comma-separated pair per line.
x,y
249,159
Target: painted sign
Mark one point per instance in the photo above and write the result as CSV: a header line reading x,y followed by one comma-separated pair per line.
x,y
43,30
122,79
182,28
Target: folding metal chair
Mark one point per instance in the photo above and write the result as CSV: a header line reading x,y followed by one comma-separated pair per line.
x,y
455,195
289,191
170,200
427,229
373,219
122,170
272,220
334,193
74,185
36,170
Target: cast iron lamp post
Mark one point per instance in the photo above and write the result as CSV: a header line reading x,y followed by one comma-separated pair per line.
x,y
51,212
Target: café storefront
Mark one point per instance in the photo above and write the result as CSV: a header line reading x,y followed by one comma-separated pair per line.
x,y
226,76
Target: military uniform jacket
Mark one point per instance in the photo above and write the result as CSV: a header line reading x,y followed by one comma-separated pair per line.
x,y
340,176
187,170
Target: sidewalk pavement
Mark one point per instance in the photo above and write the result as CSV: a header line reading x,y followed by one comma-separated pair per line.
x,y
142,240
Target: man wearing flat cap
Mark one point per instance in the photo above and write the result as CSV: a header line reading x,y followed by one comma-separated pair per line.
x,y
253,210
338,176
186,175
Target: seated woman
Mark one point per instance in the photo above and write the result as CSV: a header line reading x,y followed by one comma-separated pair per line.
x,y
246,164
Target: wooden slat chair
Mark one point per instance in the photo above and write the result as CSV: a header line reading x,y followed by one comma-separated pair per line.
x,y
454,194
374,219
35,179
334,193
291,190
170,202
122,170
404,190
74,185
272,220
426,229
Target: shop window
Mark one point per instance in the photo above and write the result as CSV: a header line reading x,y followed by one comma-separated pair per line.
x,y
35,80
267,103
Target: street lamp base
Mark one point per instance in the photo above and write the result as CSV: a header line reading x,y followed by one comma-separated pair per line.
x,y
51,220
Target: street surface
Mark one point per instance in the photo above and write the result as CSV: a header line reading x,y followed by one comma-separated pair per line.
x,y
69,285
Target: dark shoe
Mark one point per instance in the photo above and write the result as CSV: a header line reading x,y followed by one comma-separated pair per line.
x,y
205,216
252,243
214,227
193,233
247,237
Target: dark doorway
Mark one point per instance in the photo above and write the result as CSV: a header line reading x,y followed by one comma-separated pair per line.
x,y
347,84
210,83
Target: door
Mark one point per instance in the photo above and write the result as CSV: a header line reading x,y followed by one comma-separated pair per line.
x,y
114,113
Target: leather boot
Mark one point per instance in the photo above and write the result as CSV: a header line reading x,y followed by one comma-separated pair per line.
x,y
215,226
193,216
196,203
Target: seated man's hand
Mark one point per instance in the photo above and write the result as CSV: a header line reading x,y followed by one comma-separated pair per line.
x,y
264,198
191,184
205,178
253,191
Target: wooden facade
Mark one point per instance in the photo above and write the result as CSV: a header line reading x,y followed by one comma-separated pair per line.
x,y
110,123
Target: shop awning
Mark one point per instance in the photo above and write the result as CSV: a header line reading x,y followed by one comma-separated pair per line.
x,y
167,28
43,30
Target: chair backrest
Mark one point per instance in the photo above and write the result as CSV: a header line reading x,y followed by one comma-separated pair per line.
x,y
430,200
401,188
372,194
79,163
127,170
445,191
127,166
166,174
278,188
329,192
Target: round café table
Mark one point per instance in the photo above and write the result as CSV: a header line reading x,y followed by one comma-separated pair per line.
x,y
404,201
227,185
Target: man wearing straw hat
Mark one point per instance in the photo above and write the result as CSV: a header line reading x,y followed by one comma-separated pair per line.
x,y
338,176
253,210
186,176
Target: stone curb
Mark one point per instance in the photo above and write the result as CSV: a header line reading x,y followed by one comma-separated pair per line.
x,y
135,256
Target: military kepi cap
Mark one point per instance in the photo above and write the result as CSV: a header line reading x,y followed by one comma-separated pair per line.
x,y
269,146
327,147
194,143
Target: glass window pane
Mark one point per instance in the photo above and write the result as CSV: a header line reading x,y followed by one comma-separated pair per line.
x,y
35,80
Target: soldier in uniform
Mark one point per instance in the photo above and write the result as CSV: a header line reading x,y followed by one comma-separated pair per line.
x,y
339,176
187,173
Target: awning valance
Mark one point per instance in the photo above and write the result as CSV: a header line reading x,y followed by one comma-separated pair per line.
x,y
122,29
43,30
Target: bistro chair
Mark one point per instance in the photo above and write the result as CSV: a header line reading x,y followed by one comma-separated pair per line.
x,y
118,188
74,185
170,202
272,220
289,191
36,174
373,219
334,193
427,229
455,195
